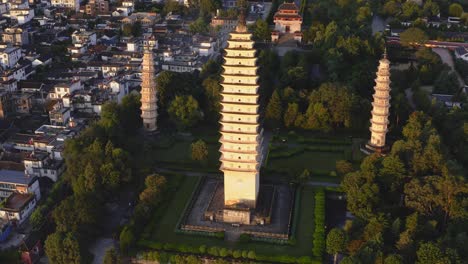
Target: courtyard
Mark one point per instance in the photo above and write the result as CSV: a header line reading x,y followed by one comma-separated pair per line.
x,y
162,228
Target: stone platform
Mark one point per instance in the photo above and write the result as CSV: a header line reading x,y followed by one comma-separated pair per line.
x,y
240,213
369,149
271,218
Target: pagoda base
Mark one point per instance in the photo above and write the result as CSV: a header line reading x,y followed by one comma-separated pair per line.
x,y
271,218
240,213
369,149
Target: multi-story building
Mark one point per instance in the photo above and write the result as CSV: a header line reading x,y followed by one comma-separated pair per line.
x,y
15,36
62,89
39,164
9,56
22,15
18,182
287,18
84,38
18,207
97,7
73,5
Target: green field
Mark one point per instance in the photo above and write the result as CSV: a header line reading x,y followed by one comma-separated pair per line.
x,y
290,154
161,229
174,152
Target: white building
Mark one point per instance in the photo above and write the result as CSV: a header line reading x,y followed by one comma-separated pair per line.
x,y
23,15
69,4
62,89
9,56
18,207
84,38
39,164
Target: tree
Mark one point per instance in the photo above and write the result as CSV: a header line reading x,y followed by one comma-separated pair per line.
x,y
261,30
171,6
413,37
363,13
455,10
304,176
155,184
111,257
430,253
343,167
362,194
199,26
184,111
76,214
127,30
430,8
274,110
130,114
336,242
199,150
447,83
291,114
137,29
391,8
411,10
62,248
126,239
393,259
213,97
208,6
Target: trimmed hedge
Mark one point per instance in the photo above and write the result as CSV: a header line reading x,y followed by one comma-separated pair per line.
x,y
245,255
319,231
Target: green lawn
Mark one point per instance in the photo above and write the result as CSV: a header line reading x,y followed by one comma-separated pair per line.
x,y
173,151
291,153
314,161
161,230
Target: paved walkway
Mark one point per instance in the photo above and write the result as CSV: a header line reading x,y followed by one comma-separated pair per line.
x,y
378,24
448,59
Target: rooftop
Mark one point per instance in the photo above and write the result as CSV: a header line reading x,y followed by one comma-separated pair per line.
x,y
17,201
17,177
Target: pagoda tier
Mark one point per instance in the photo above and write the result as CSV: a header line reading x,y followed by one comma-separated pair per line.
x,y
380,105
148,92
241,140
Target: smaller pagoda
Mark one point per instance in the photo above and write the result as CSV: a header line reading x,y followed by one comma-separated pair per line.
x,y
149,107
380,109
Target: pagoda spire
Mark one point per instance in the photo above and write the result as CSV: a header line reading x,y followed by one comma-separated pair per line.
x,y
241,21
380,107
148,90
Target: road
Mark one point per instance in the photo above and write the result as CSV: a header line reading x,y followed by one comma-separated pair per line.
x,y
448,59
378,24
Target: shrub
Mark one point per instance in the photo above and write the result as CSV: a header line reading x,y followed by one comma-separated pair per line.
x,y
237,254
251,254
219,235
214,251
245,253
319,231
202,249
223,252
343,167
126,238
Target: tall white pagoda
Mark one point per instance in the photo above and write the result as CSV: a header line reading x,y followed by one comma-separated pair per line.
x,y
241,134
380,108
149,105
